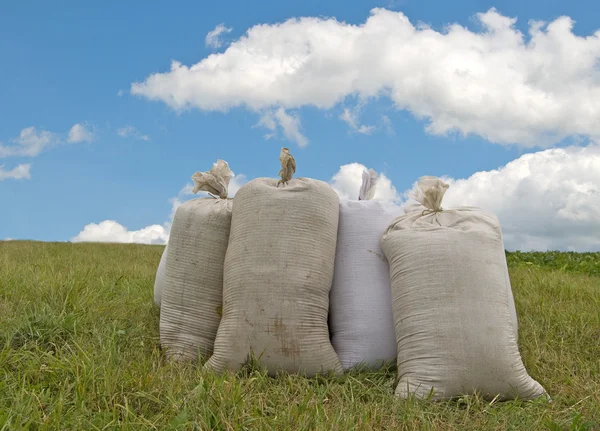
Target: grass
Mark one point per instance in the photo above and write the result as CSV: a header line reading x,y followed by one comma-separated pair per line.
x,y
80,350
580,263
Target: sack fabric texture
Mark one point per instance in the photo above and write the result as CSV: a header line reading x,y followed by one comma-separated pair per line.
x,y
193,283
159,280
192,298
450,300
277,277
360,320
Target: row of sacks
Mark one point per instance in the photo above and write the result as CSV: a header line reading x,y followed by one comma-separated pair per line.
x,y
288,275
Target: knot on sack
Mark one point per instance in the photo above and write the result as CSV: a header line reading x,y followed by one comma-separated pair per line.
x,y
368,186
430,192
435,212
431,211
288,166
215,181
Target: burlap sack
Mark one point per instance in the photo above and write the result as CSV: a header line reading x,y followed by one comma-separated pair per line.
x,y
193,287
277,278
159,280
450,300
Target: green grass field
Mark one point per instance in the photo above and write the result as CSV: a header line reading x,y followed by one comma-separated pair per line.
x,y
80,350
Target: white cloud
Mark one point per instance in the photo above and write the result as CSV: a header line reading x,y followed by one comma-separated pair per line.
x,y
213,38
350,117
549,200
120,93
497,82
111,231
80,133
289,123
291,127
30,143
17,173
132,132
268,120
347,181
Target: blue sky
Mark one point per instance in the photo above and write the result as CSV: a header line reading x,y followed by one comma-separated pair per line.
x,y
69,63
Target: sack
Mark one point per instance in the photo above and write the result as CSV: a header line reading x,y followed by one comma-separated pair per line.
x,y
159,280
277,278
360,320
450,299
193,287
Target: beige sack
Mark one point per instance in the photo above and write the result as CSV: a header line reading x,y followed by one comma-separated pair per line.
x,y
277,278
450,303
159,279
193,283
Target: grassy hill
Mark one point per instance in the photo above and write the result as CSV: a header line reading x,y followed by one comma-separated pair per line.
x,y
80,350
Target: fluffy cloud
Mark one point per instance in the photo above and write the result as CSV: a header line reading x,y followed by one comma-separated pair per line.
x,y
29,143
111,231
132,132
350,117
213,38
347,181
32,142
80,133
497,83
549,200
545,200
18,173
289,123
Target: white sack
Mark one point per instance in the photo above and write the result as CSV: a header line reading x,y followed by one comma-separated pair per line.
x,y
193,288
277,278
360,319
451,304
